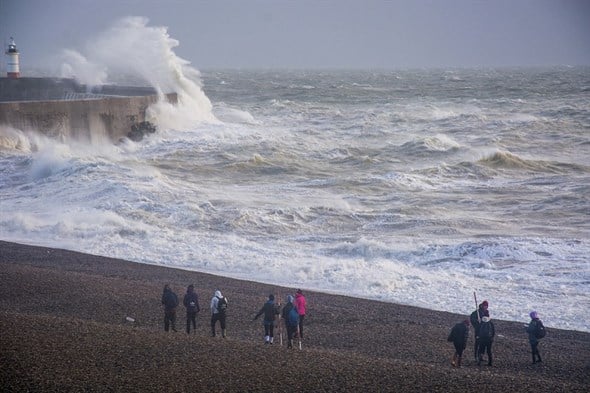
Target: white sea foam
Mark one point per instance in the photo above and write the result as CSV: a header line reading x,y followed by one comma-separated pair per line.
x,y
339,188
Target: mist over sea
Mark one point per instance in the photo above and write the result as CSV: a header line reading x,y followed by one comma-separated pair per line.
x,y
410,186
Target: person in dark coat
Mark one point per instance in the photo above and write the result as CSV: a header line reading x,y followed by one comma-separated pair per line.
x,y
532,330
458,336
270,311
291,324
191,302
170,302
475,320
486,334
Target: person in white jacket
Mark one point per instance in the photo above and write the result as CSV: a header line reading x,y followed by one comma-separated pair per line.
x,y
218,312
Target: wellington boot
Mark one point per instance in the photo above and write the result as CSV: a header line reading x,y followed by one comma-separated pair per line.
x,y
223,333
458,361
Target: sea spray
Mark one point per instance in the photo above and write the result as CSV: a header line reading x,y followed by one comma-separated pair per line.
x,y
131,47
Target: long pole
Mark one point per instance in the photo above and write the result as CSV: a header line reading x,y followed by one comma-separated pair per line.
x,y
280,324
476,307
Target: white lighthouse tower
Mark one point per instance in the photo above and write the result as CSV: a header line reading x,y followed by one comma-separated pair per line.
x,y
12,69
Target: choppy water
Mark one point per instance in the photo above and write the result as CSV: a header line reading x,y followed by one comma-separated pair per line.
x,y
415,187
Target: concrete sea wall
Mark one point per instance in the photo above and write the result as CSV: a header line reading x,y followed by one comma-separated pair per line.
x,y
60,108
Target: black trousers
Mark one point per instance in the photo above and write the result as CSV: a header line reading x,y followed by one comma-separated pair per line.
x,y
169,320
485,345
269,328
191,319
217,317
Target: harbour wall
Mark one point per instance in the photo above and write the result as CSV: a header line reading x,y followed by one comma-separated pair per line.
x,y
63,109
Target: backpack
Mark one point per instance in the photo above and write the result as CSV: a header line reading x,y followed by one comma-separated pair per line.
x,y
540,330
221,305
293,317
485,330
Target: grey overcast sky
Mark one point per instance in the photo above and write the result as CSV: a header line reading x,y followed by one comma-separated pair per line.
x,y
321,33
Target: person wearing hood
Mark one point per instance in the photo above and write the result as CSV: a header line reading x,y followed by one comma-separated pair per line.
x,y
301,305
475,319
191,302
536,331
170,302
486,334
458,336
270,311
218,312
291,317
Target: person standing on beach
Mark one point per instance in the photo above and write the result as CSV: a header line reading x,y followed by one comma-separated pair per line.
x,y
270,311
458,336
191,302
536,331
475,320
291,318
170,302
301,305
486,338
218,312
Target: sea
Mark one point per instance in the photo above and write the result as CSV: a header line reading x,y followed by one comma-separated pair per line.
x,y
437,188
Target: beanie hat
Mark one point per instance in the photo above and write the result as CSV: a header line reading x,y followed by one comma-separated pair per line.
x,y
485,303
299,291
534,315
271,297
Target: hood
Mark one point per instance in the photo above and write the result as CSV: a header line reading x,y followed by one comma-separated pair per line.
x,y
218,293
190,289
290,299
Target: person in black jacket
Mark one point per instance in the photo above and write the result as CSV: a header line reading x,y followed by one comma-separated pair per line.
x,y
458,336
533,329
486,335
270,311
170,302
475,320
191,302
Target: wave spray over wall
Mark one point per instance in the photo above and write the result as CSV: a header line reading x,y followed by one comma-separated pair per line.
x,y
138,51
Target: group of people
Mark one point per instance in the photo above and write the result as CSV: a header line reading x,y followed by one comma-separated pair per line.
x,y
485,331
293,313
190,301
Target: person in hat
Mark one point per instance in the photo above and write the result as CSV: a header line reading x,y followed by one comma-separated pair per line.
x,y
486,333
301,306
475,319
291,317
191,302
458,336
270,311
536,331
170,302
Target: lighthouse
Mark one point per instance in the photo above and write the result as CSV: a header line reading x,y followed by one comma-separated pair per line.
x,y
12,69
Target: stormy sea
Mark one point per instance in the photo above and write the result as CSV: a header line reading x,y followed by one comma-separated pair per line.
x,y
418,187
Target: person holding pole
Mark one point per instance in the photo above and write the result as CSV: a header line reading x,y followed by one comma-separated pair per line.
x,y
475,320
301,305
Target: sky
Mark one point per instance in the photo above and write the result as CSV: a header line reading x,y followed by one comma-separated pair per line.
x,y
394,34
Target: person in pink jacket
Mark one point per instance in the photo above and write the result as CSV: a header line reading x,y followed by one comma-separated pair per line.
x,y
300,305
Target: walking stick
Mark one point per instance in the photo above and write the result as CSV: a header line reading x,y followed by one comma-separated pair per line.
x,y
280,324
476,307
